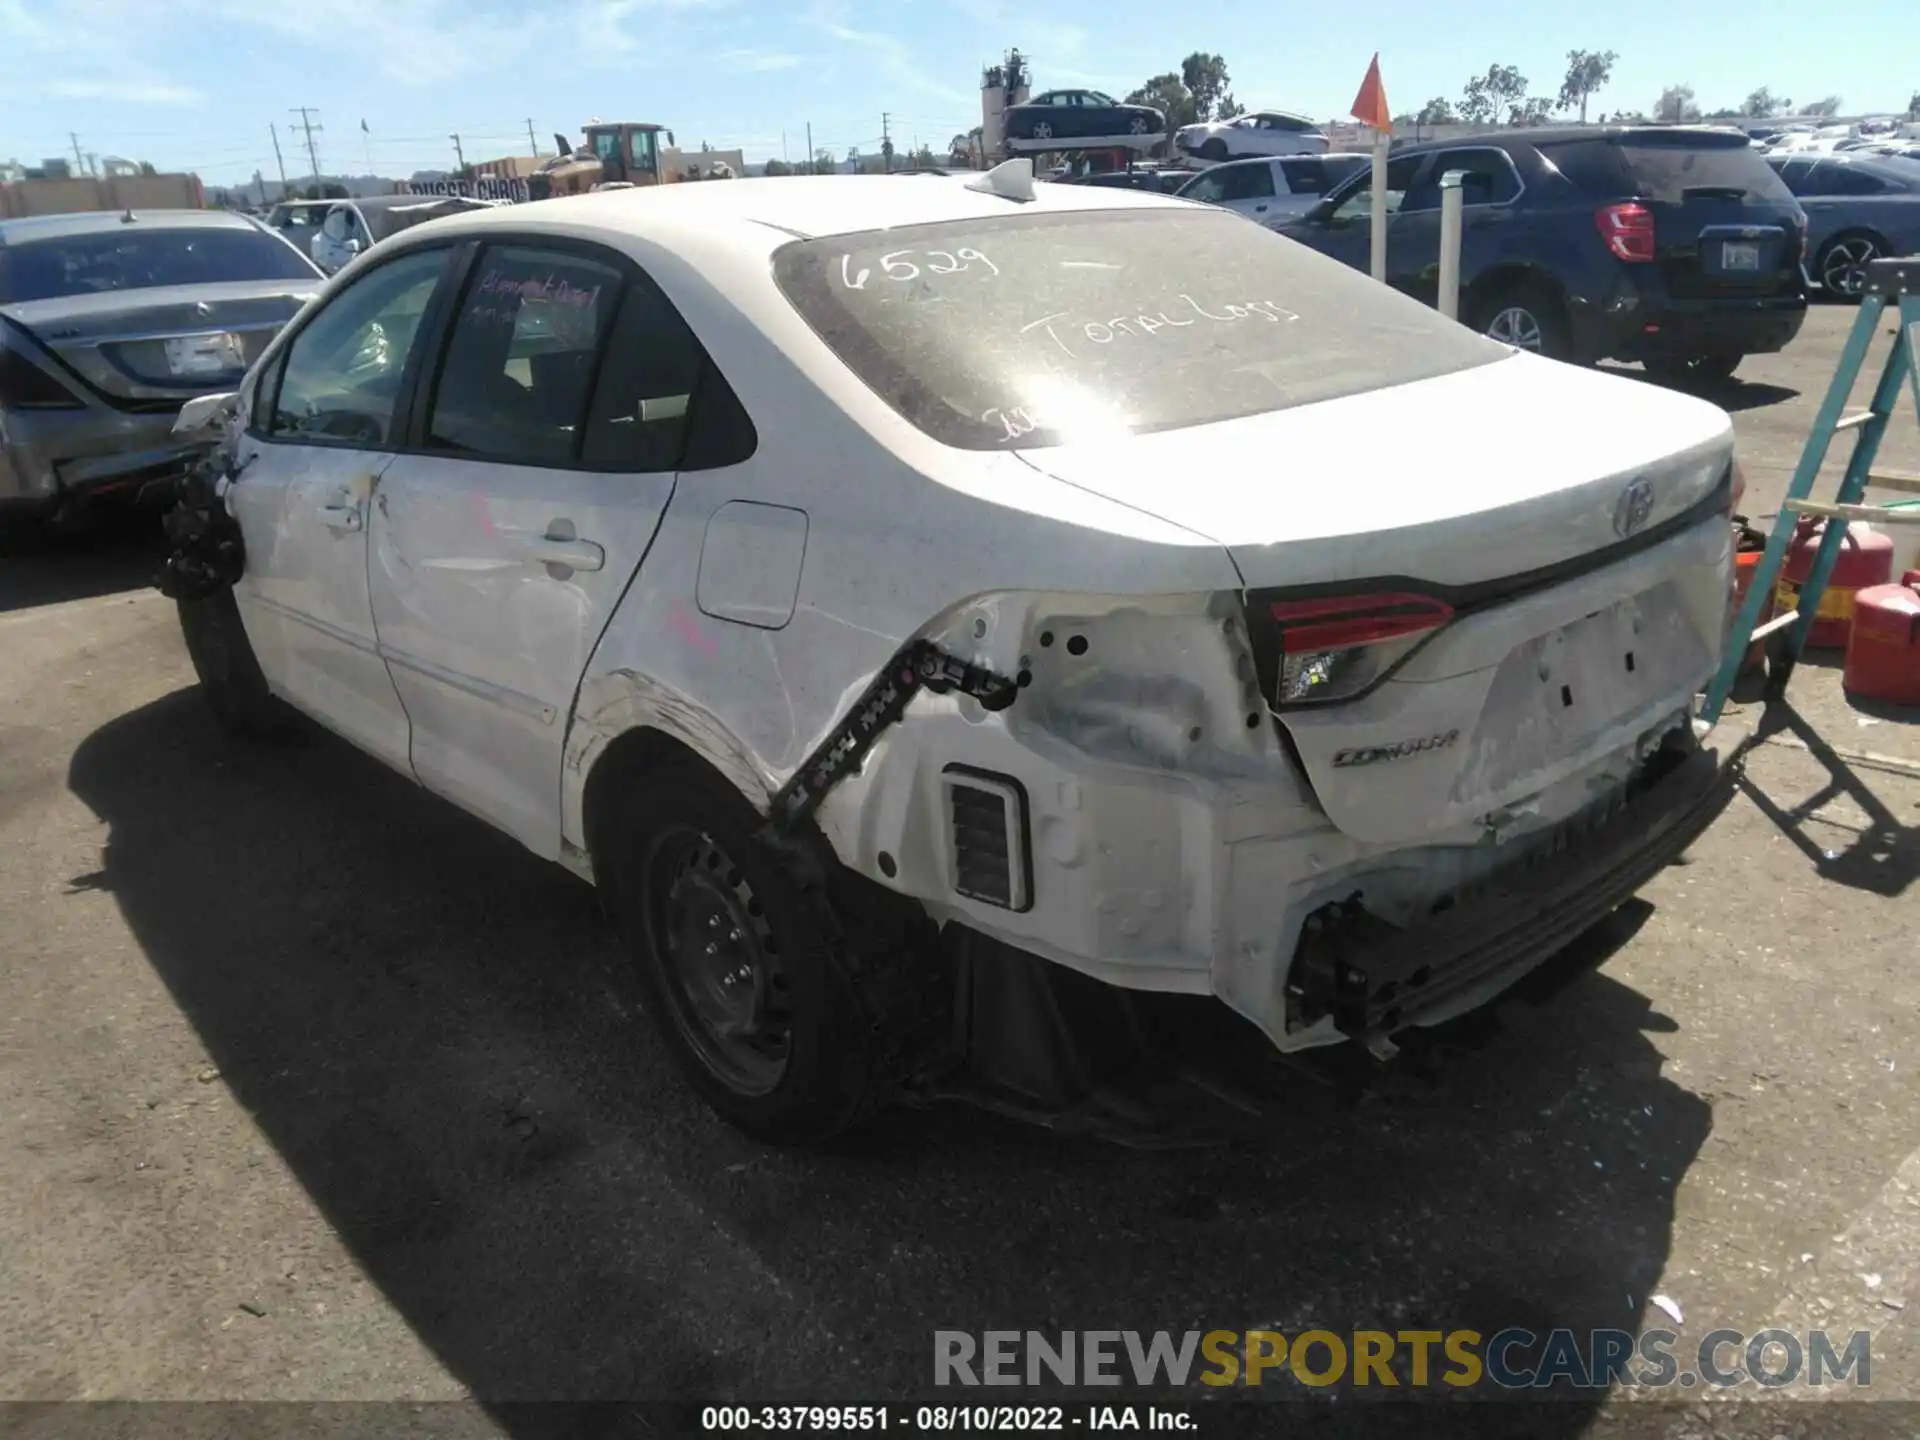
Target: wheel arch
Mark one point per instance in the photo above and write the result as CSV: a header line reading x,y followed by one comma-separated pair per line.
x,y
625,726
1509,275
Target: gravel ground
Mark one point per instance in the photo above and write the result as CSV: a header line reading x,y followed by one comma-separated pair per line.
x,y
312,1087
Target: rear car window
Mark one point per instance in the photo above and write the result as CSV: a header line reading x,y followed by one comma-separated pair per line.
x,y
1034,330
142,259
1665,169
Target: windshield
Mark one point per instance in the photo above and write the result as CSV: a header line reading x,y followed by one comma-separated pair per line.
x,y
1034,330
142,259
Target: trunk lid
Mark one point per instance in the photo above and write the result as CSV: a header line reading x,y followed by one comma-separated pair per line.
x,y
159,347
1560,514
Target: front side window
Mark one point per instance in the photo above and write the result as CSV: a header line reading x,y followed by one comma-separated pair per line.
x,y
521,357
1208,186
1357,204
606,146
1021,331
342,371
1250,182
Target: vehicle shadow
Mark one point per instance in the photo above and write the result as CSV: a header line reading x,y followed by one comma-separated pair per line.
x,y
119,554
436,1033
1732,395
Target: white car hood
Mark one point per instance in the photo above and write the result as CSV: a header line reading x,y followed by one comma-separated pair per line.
x,y
1489,472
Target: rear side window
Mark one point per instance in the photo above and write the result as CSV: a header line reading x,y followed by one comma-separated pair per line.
x,y
522,357
1030,330
1666,169
1845,179
1305,177
1592,167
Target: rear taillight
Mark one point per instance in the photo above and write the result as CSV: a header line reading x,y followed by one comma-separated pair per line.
x,y
1800,223
1628,230
1337,647
25,386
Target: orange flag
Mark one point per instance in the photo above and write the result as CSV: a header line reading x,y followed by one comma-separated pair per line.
x,y
1370,105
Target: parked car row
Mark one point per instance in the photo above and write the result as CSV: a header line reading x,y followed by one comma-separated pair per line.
x,y
1678,247
1859,207
108,324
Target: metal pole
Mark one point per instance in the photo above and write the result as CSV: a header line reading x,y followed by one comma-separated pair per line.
x,y
1379,267
279,159
809,147
530,140
1450,202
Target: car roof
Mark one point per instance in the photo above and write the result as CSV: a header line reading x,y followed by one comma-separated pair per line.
x,y
95,222
1567,134
803,207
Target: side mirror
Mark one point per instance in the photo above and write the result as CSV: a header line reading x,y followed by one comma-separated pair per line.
x,y
205,416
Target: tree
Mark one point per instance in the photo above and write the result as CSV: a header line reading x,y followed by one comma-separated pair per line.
x,y
1827,108
1198,92
1761,105
1587,73
776,167
1501,91
1437,111
1205,77
1913,106
1675,106
1536,110
922,159
823,162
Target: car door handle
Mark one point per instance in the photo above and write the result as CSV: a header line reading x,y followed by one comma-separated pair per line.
x,y
552,550
344,518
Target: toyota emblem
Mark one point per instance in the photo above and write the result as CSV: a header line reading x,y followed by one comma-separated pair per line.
x,y
1634,506
203,309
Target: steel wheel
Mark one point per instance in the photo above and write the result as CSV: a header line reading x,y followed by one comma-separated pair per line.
x,y
725,983
1843,268
1517,326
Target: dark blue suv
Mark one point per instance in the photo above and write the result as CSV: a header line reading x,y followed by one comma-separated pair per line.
x,y
1674,246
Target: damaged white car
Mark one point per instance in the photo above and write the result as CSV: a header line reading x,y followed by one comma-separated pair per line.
x,y
942,616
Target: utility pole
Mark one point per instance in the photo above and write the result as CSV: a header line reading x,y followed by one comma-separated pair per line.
x,y
886,144
279,159
530,140
459,154
785,159
79,160
306,114
809,147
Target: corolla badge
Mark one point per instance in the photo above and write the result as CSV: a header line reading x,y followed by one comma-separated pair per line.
x,y
1632,509
202,308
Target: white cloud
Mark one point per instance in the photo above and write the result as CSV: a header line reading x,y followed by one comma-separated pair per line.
x,y
896,58
125,92
760,61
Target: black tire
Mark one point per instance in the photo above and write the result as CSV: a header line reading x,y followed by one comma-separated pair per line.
x,y
223,658
1526,315
1214,149
685,859
1694,370
1840,267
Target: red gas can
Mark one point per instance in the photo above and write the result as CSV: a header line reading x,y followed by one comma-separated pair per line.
x,y
1865,558
1883,656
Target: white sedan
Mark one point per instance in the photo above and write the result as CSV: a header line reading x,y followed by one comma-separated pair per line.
x,y
944,615
1259,132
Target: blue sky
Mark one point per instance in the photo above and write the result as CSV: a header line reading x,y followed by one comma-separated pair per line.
x,y
196,83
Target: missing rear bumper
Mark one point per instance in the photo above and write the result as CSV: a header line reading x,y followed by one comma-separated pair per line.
x,y
1373,977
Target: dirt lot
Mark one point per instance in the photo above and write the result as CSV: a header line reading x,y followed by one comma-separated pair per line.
x,y
312,1087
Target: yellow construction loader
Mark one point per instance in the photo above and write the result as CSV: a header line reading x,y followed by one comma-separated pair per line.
x,y
615,156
